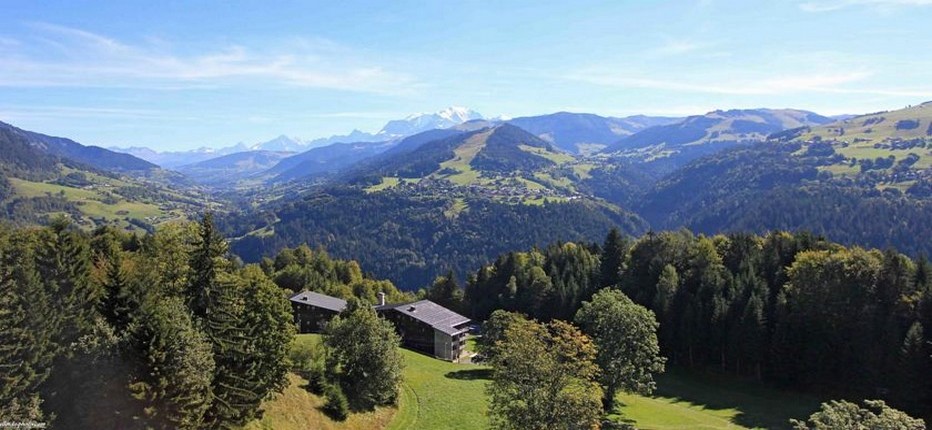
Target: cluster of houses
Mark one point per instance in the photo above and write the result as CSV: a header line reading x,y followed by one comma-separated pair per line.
x,y
502,189
423,325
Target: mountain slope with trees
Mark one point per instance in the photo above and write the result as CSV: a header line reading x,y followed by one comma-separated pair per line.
x,y
90,155
36,184
665,148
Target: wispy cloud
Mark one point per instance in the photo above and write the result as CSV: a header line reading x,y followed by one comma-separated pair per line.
x,y
830,83
679,47
70,57
832,5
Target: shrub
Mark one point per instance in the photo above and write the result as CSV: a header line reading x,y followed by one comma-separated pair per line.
x,y
337,406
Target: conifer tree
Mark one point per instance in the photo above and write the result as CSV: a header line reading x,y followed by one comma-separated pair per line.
x,y
235,390
27,330
118,303
613,256
206,261
177,367
64,266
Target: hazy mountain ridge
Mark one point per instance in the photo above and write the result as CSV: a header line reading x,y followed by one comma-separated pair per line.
x,y
583,132
227,170
392,130
91,155
667,147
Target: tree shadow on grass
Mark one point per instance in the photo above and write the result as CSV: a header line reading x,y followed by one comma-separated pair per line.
x,y
470,374
757,405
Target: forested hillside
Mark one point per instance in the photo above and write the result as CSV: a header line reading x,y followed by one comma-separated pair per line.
x,y
412,239
795,310
38,183
113,330
800,181
121,331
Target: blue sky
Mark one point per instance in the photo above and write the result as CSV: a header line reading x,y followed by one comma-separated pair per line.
x,y
175,75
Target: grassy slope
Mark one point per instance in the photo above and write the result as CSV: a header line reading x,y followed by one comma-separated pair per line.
x,y
463,173
90,202
441,395
691,401
465,153
863,132
296,408
436,395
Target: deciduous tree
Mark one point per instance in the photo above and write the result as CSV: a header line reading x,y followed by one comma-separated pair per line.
x,y
544,378
625,335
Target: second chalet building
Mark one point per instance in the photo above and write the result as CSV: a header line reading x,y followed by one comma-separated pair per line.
x,y
423,325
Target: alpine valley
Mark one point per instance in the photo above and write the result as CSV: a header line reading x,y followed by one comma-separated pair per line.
x,y
423,195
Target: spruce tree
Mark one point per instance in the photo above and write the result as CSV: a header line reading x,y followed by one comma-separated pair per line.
x,y
26,348
613,256
64,266
29,327
177,367
236,391
118,303
206,261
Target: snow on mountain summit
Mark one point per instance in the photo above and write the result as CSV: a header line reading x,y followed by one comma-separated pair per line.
x,y
449,117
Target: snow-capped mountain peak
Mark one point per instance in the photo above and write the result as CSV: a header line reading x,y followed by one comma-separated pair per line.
x,y
417,123
282,144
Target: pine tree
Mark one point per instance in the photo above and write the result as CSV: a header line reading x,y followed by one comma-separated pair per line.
x,y
236,396
613,256
177,367
118,304
64,266
206,261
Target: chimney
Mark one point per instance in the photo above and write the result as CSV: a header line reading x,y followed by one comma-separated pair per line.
x,y
381,298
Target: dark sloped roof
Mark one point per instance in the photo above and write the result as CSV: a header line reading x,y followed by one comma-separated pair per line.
x,y
319,300
432,314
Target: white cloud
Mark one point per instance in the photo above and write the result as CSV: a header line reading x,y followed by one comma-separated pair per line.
x,y
64,56
832,5
833,76
726,86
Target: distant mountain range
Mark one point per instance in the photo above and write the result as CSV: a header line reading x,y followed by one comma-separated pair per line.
x,y
584,133
447,195
227,169
672,145
393,130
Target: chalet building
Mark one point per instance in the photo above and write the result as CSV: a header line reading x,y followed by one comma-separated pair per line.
x,y
312,310
423,325
428,327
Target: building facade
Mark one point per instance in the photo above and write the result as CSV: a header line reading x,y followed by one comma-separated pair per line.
x,y
313,310
424,326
